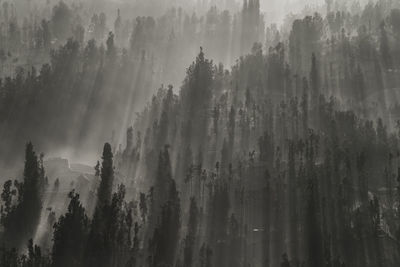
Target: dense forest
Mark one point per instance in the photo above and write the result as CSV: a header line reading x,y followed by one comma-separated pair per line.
x,y
216,137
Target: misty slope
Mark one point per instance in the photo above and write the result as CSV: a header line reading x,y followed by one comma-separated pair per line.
x,y
94,75
62,106
291,158
291,174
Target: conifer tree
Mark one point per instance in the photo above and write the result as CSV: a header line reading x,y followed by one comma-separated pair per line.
x,y
21,220
70,235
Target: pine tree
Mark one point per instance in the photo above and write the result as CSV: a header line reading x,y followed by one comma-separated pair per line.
x,y
163,244
21,221
107,177
70,235
95,251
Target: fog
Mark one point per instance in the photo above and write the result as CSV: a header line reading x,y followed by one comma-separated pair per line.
x,y
199,133
161,57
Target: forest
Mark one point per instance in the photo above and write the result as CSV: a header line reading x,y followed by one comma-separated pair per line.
x,y
202,133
